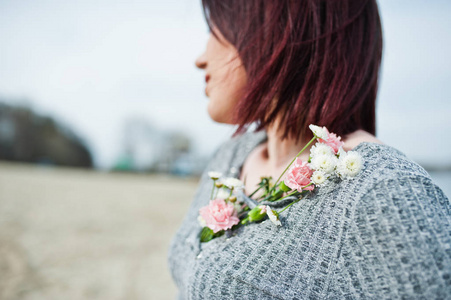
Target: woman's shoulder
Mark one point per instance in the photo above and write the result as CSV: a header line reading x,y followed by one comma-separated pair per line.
x,y
383,162
389,179
388,171
399,225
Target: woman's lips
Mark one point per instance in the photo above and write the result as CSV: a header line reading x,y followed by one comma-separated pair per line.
x,y
207,78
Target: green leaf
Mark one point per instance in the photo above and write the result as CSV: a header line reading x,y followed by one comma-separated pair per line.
x,y
219,233
256,215
283,187
207,234
244,221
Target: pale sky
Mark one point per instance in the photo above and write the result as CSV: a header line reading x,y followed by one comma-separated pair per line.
x,y
94,64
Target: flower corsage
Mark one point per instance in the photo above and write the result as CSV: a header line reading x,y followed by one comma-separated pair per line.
x,y
229,207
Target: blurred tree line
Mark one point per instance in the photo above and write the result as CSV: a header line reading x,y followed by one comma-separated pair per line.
x,y
26,136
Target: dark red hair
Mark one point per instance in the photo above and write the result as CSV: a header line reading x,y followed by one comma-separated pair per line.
x,y
307,61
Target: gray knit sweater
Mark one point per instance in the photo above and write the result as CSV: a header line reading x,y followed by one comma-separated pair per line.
x,y
384,234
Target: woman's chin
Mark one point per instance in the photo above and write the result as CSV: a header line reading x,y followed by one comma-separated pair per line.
x,y
221,107
219,117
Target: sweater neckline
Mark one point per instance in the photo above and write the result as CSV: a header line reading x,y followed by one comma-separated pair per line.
x,y
260,137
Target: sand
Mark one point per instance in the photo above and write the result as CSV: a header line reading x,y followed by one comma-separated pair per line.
x,y
78,234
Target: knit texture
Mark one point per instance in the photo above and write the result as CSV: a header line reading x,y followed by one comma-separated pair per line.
x,y
384,234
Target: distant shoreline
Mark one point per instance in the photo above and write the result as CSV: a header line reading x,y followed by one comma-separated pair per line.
x,y
433,168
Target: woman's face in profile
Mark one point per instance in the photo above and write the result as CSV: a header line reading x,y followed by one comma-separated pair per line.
x,y
225,77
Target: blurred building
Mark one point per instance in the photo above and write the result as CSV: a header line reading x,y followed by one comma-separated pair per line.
x,y
149,149
26,136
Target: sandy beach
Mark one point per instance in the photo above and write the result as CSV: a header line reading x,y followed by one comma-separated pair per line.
x,y
78,234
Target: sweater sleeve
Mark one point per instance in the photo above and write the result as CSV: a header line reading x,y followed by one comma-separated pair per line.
x,y
398,244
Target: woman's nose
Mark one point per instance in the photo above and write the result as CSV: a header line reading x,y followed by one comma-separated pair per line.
x,y
201,61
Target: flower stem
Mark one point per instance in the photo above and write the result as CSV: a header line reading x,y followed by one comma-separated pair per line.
x,y
250,196
305,147
290,194
212,190
289,205
307,185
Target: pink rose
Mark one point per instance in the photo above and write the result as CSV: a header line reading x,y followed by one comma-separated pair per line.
x,y
298,176
219,215
333,141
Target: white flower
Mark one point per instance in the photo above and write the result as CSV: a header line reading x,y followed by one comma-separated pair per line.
x,y
319,132
201,221
238,206
318,178
272,216
233,183
222,194
341,152
320,149
349,164
325,163
271,182
214,175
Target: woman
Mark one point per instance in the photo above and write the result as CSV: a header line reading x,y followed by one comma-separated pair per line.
x,y
284,65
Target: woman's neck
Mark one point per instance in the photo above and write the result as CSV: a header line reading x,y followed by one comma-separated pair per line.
x,y
279,153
